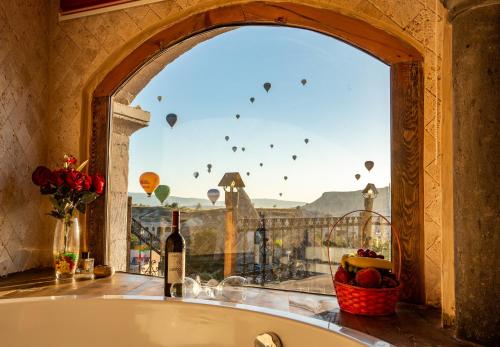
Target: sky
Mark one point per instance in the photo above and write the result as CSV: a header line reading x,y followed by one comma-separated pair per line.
x,y
344,111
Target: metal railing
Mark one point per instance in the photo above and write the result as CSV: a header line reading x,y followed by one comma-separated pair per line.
x,y
153,243
277,250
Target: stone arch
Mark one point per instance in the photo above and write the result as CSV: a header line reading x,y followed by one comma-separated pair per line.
x,y
407,96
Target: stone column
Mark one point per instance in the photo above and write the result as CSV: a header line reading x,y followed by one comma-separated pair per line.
x,y
231,229
476,154
126,121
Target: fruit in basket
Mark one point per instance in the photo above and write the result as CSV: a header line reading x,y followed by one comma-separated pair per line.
x,y
369,253
365,262
342,275
389,282
369,278
343,260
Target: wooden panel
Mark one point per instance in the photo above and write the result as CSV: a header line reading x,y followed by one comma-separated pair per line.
x,y
407,173
99,153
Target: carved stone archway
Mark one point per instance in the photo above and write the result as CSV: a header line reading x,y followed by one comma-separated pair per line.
x,y
406,110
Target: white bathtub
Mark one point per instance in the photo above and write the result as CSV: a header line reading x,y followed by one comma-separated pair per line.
x,y
139,321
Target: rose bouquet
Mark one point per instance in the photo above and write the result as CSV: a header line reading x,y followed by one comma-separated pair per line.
x,y
70,190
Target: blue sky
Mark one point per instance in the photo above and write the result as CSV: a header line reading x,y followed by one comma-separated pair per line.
x,y
344,110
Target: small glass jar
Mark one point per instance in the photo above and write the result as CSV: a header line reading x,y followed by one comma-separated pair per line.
x,y
85,266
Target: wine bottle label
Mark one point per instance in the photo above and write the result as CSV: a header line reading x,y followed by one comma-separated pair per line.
x,y
175,270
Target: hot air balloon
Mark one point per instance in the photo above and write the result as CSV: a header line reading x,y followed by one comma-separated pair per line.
x,y
237,116
235,148
281,194
267,86
243,149
171,119
369,165
261,164
357,176
159,97
227,138
209,168
285,177
252,99
213,194
294,157
248,173
196,174
271,145
306,141
303,81
162,192
149,181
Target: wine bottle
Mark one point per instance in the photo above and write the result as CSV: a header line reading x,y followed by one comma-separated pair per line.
x,y
175,257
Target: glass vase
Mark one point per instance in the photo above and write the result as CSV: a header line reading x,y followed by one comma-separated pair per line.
x,y
66,247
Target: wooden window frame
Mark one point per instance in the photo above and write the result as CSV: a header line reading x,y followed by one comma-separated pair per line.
x,y
407,97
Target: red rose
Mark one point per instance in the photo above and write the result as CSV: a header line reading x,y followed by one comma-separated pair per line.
x,y
98,183
70,160
58,177
41,176
74,180
86,181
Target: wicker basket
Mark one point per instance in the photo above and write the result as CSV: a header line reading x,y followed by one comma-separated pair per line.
x,y
366,301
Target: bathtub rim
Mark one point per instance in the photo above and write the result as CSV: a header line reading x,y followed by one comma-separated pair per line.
x,y
318,323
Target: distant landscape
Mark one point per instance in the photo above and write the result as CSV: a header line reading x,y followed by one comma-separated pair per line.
x,y
143,199
329,203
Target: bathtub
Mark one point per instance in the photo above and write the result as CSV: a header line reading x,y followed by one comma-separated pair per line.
x,y
154,321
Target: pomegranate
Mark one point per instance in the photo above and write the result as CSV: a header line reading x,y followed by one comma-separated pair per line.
x,y
342,275
369,278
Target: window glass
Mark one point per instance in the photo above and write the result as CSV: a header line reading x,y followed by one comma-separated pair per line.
x,y
265,135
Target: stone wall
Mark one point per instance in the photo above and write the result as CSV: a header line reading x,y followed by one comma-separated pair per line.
x,y
126,120
25,231
83,50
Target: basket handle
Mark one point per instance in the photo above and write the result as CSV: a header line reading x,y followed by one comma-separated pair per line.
x,y
393,232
